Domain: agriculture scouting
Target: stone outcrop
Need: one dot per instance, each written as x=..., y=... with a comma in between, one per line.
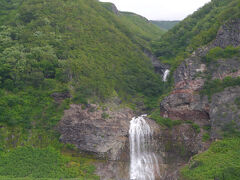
x=102, y=131
x=60, y=96
x=225, y=112
x=184, y=103
x=229, y=34
x=179, y=144
x=119, y=170
x=98, y=130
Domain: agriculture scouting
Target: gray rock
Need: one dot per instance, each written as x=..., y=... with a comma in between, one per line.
x=224, y=112
x=229, y=34
x=159, y=67
x=60, y=96
x=103, y=132
x=185, y=102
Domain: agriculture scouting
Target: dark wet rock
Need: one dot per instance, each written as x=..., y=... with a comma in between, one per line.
x=60, y=96
x=159, y=67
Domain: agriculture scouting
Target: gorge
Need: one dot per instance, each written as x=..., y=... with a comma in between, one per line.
x=77, y=75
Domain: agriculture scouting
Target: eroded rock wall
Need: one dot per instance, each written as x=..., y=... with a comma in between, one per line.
x=185, y=103
x=97, y=130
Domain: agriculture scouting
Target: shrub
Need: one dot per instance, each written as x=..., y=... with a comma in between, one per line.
x=215, y=86
x=220, y=161
x=164, y=121
x=206, y=137
x=35, y=163
x=196, y=128
x=217, y=53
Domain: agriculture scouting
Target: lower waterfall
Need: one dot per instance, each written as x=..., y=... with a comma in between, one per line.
x=144, y=162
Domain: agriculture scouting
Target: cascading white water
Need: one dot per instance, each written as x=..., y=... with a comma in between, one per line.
x=166, y=73
x=144, y=163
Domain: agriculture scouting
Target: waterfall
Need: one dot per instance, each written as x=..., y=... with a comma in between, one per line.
x=144, y=163
x=166, y=73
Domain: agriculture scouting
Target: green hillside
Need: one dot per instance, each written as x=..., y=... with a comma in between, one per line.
x=74, y=47
x=166, y=25
x=141, y=28
x=89, y=52
x=196, y=30
x=221, y=161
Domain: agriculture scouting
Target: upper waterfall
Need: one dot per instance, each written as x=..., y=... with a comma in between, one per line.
x=144, y=162
x=165, y=76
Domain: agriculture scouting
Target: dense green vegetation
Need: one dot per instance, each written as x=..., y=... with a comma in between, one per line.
x=142, y=30
x=196, y=30
x=166, y=25
x=221, y=162
x=96, y=53
x=82, y=48
x=36, y=163
x=76, y=47
x=167, y=122
x=215, y=86
x=42, y=163
x=141, y=27
x=220, y=53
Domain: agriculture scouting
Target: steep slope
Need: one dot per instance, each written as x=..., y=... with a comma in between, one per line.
x=166, y=25
x=56, y=53
x=198, y=29
x=202, y=106
x=141, y=28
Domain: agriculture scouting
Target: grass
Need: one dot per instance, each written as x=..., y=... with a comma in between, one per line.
x=167, y=122
x=32, y=163
x=215, y=86
x=79, y=47
x=221, y=161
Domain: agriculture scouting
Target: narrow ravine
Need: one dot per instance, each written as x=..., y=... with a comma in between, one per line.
x=144, y=162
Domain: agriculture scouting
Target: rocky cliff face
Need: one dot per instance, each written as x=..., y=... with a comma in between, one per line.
x=225, y=112
x=185, y=102
x=103, y=131
x=98, y=130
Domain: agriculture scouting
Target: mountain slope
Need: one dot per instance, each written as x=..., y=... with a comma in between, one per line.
x=55, y=53
x=166, y=25
x=141, y=28
x=197, y=30
x=202, y=109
